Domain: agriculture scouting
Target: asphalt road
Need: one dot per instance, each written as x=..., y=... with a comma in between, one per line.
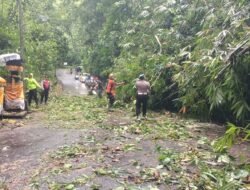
x=70, y=85
x=21, y=148
x=18, y=142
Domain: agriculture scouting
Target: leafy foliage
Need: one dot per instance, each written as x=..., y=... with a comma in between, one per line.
x=229, y=138
x=112, y=147
x=180, y=44
x=195, y=53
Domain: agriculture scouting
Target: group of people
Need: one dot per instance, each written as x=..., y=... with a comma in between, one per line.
x=142, y=93
x=93, y=84
x=32, y=87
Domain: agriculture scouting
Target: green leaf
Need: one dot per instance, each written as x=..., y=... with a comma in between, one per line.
x=70, y=187
x=224, y=159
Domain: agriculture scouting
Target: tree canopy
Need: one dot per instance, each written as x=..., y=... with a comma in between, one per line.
x=195, y=53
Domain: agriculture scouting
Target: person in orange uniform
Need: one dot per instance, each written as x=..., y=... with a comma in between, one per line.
x=111, y=90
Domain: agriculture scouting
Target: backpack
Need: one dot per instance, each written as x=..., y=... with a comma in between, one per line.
x=46, y=84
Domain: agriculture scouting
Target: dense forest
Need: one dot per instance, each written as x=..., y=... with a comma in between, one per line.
x=195, y=53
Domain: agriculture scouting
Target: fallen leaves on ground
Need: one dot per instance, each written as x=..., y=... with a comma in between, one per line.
x=152, y=154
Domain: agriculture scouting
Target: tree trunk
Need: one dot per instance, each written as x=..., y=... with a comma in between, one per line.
x=21, y=28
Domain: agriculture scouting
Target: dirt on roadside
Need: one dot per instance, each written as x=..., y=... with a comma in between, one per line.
x=74, y=143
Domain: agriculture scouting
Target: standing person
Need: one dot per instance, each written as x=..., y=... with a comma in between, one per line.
x=99, y=87
x=46, y=89
x=32, y=86
x=110, y=90
x=143, y=90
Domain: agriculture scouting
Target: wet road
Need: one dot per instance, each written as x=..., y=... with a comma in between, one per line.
x=21, y=148
x=70, y=85
x=19, y=142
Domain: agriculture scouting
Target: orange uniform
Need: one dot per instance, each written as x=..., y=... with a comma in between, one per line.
x=111, y=87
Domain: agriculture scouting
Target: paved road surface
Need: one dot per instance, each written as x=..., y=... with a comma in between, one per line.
x=70, y=85
x=21, y=148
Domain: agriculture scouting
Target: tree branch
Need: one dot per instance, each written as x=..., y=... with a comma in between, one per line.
x=158, y=41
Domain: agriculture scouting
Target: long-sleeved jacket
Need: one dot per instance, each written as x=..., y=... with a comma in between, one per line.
x=32, y=83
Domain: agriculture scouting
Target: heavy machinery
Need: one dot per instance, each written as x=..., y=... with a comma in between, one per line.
x=12, y=99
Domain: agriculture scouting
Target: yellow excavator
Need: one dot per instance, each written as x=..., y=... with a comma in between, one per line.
x=12, y=99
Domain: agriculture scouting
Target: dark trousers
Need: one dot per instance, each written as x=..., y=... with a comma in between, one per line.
x=141, y=100
x=111, y=99
x=32, y=95
x=45, y=96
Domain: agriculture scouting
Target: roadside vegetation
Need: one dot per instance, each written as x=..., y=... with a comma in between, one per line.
x=118, y=152
x=195, y=53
